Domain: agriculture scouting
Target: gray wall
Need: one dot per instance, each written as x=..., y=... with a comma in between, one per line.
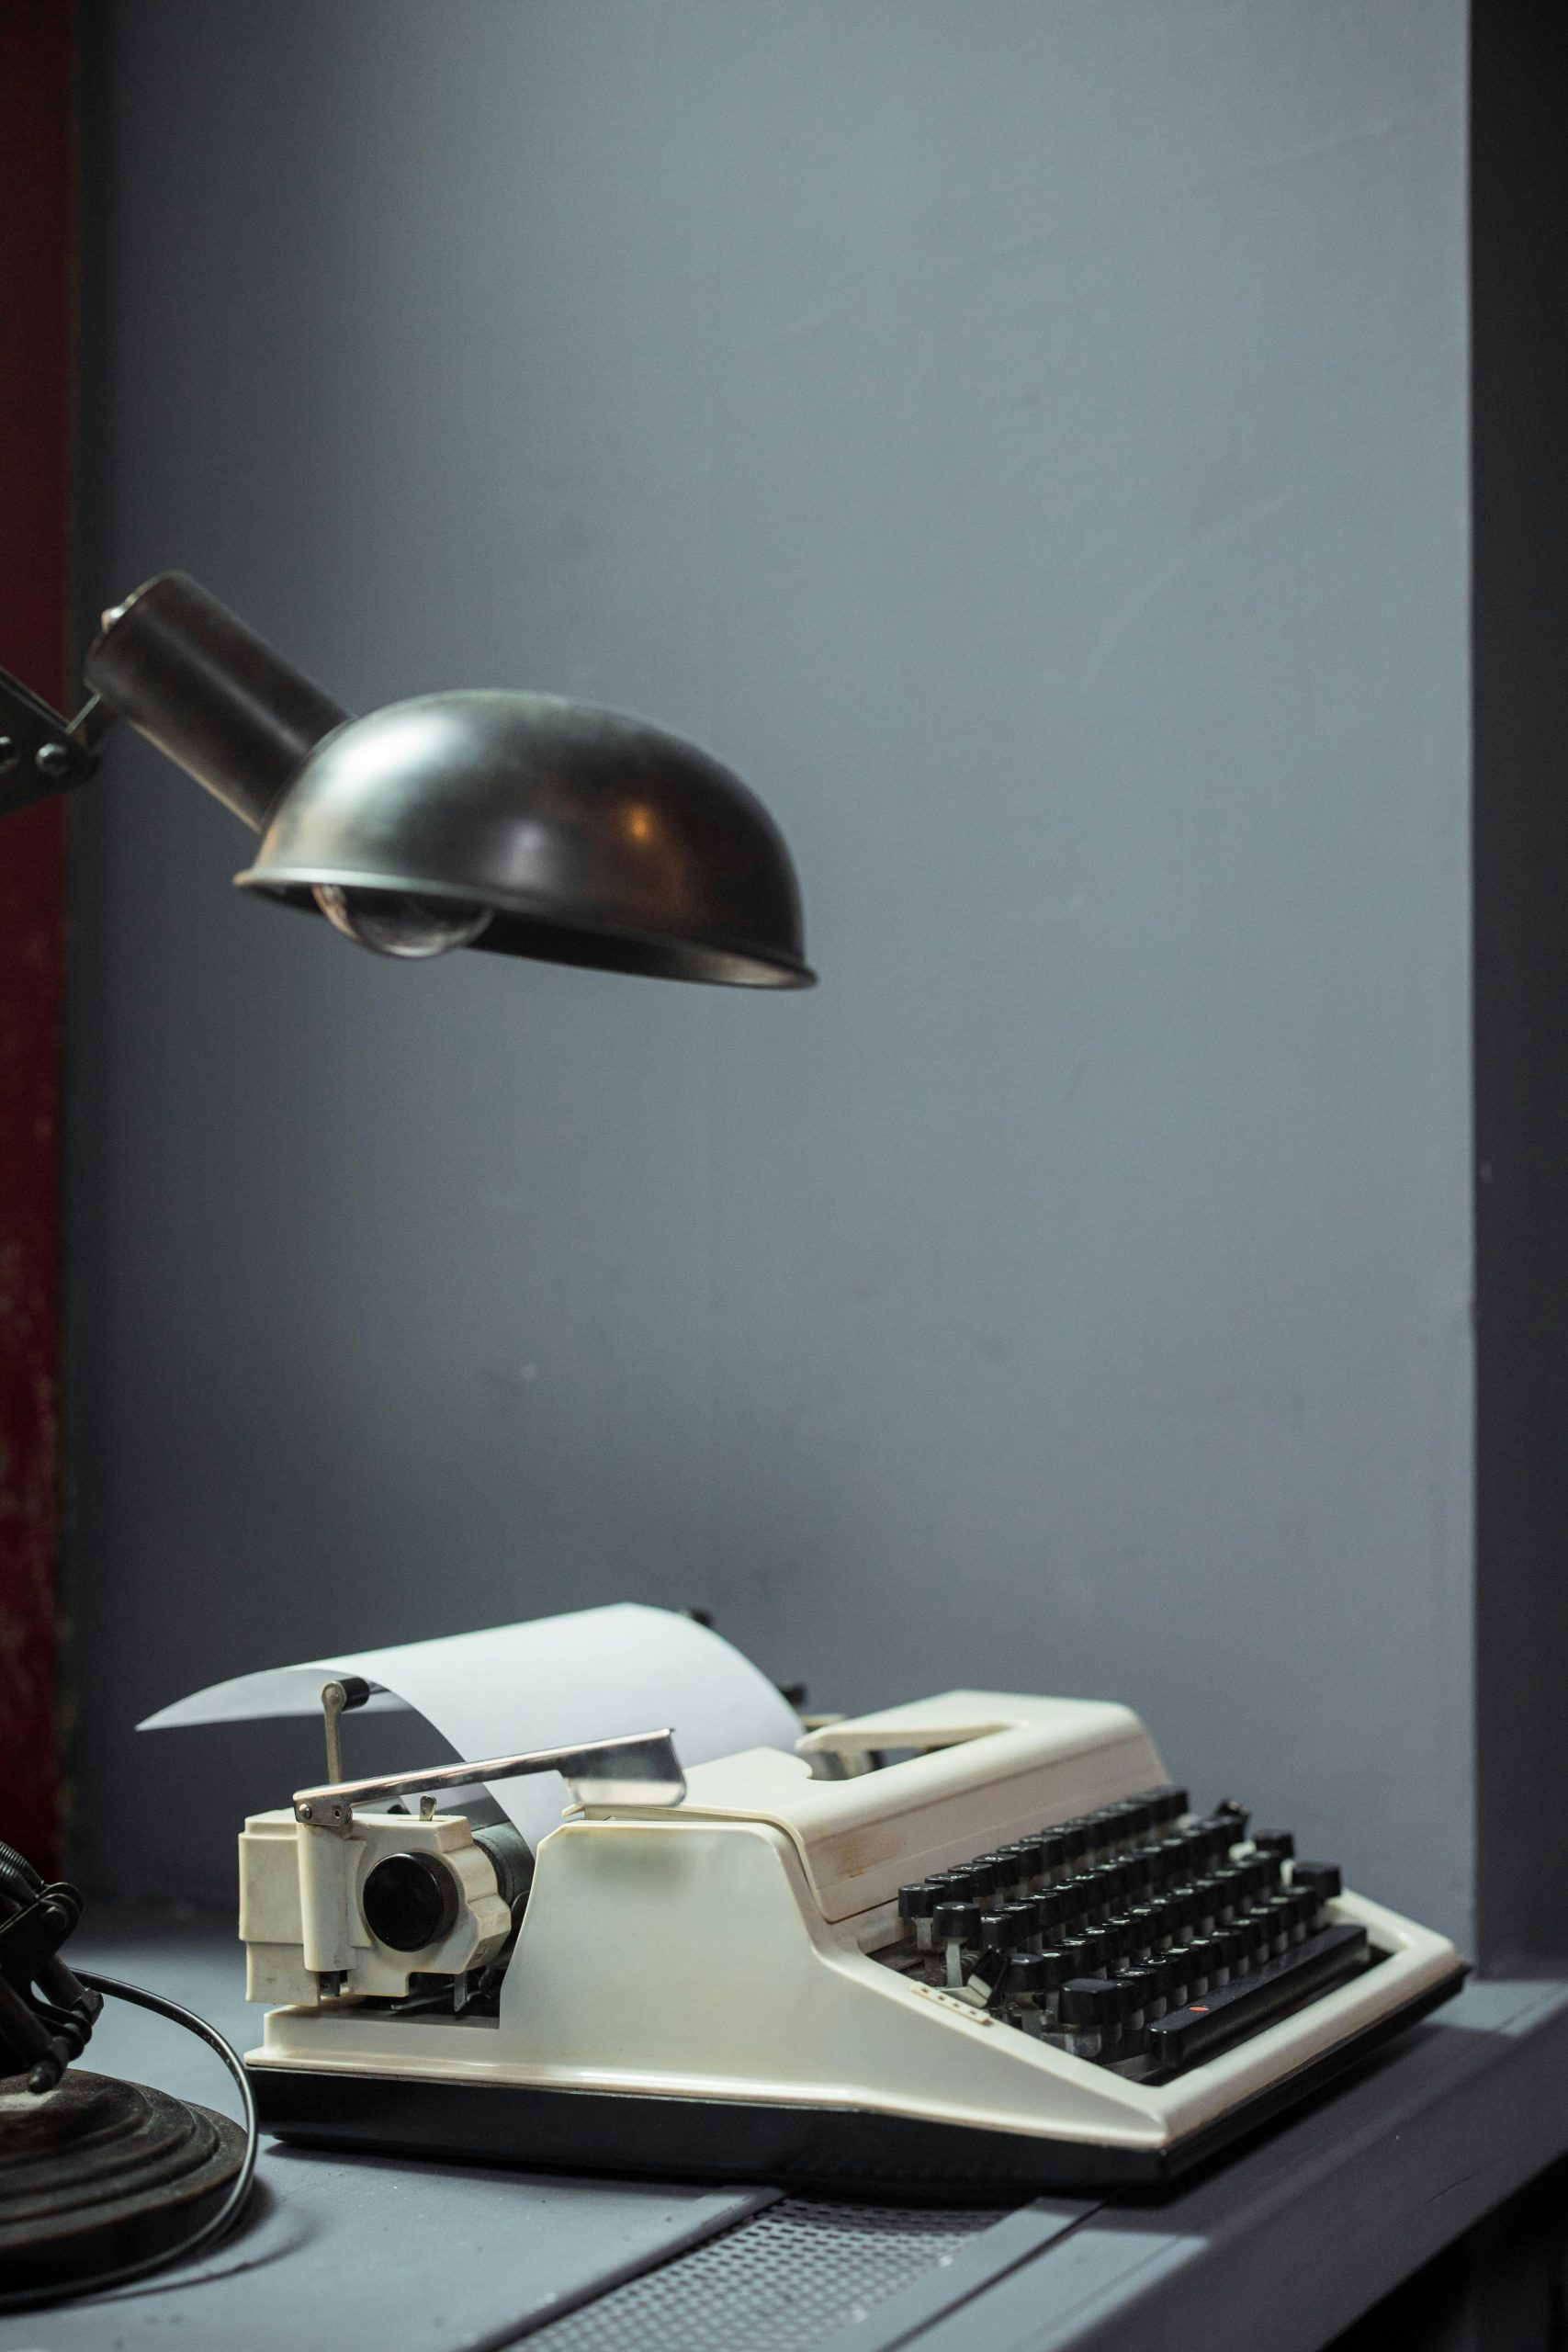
x=1028, y=441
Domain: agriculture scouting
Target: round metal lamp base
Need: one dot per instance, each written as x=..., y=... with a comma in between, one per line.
x=96, y=2174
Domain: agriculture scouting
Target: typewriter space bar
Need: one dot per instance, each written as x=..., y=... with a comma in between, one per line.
x=1233, y=2012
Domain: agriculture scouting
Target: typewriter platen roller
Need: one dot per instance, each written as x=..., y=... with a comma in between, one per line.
x=974, y=1942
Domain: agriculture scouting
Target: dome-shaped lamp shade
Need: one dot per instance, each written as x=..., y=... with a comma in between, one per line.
x=534, y=826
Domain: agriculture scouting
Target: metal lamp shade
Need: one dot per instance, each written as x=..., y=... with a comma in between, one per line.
x=590, y=837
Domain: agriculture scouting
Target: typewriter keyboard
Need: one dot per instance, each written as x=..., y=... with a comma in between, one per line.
x=1142, y=1937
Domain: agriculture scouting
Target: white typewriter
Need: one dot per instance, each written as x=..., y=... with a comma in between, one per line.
x=976, y=1942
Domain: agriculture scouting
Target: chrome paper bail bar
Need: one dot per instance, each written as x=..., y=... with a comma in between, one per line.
x=640, y=1768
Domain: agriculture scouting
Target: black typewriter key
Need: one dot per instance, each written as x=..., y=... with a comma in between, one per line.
x=1019, y=1872
x=1113, y=1927
x=1163, y=1922
x=1139, y=1816
x=1321, y=1880
x=1287, y=1912
x=1141, y=1871
x=1278, y=1842
x=956, y=1927
x=989, y=1971
x=916, y=1904
x=1057, y=1858
x=1201, y=1857
x=1305, y=1908
x=1121, y=1877
x=1093, y=2011
x=1200, y=1919
x=1135, y=1936
x=1086, y=1899
x=1176, y=1970
x=1182, y=1907
x=982, y=1876
x=1081, y=1895
x=1028, y=1916
x=1034, y=1982
x=992, y=1872
x=1087, y=2005
x=1085, y=1953
x=1268, y=1936
x=1212, y=1955
x=1273, y=1932
x=1143, y=1930
x=1154, y=1974
x=972, y=1882
x=1056, y=1912
x=1143, y=1999
x=1256, y=1876
x=1205, y=1906
x=1096, y=1895
x=1194, y=1958
x=1053, y=1854
x=1182, y=1974
x=1117, y=1880
x=1031, y=1863
x=1282, y=1909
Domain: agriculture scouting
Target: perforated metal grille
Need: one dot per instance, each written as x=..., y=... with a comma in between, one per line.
x=783, y=2282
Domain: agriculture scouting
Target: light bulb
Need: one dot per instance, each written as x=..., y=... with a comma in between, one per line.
x=397, y=923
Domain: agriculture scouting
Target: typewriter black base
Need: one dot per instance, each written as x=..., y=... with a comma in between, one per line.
x=833, y=2149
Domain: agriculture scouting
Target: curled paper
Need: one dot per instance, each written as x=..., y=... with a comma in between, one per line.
x=550, y=1682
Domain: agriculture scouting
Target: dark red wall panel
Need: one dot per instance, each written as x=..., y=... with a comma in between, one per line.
x=37, y=300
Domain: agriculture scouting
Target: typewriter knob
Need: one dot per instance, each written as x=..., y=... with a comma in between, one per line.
x=410, y=1900
x=956, y=1923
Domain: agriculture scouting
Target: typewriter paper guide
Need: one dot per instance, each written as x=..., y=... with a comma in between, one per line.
x=551, y=1682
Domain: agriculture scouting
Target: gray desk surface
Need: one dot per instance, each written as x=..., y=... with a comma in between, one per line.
x=1302, y=2231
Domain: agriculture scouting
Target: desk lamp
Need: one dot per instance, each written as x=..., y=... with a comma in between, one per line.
x=518, y=823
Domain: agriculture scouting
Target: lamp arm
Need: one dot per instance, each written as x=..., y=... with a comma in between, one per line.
x=42, y=754
x=216, y=699
x=184, y=671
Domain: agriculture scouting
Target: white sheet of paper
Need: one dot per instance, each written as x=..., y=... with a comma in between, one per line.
x=550, y=1682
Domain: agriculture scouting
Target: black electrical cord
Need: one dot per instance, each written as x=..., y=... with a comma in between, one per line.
x=216, y=2225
